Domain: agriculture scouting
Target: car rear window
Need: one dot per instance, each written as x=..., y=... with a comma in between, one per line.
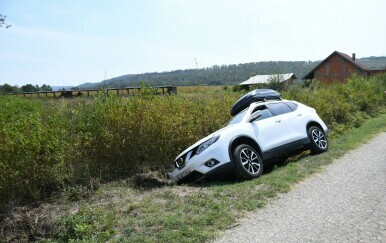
x=264, y=111
x=293, y=106
x=279, y=108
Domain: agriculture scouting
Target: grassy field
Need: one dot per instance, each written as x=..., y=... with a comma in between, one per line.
x=74, y=146
x=141, y=210
x=47, y=145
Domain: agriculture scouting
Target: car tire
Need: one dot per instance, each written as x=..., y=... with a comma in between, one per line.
x=247, y=162
x=318, y=140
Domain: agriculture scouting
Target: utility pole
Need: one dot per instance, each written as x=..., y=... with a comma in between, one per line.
x=104, y=80
x=198, y=77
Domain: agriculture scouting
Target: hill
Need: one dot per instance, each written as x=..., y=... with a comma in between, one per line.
x=221, y=75
x=56, y=88
x=374, y=62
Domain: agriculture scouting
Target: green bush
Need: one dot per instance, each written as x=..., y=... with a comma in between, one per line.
x=88, y=225
x=45, y=145
x=32, y=148
x=116, y=137
x=343, y=105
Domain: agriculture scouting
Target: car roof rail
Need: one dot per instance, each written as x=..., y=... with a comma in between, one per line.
x=273, y=98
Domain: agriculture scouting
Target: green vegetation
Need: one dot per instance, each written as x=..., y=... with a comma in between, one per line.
x=221, y=75
x=117, y=212
x=374, y=62
x=46, y=144
x=6, y=88
x=216, y=75
x=75, y=145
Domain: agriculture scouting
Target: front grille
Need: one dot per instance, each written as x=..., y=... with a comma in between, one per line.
x=191, y=178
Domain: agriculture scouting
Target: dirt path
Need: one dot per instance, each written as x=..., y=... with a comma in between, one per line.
x=346, y=203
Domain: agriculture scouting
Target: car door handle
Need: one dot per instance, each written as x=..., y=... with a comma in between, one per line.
x=300, y=114
x=278, y=121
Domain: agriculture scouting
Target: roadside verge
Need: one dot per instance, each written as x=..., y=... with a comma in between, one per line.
x=117, y=212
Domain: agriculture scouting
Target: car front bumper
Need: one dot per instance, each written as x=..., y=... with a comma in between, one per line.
x=213, y=159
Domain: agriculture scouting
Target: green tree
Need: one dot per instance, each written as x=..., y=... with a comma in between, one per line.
x=6, y=88
x=45, y=87
x=275, y=82
x=30, y=88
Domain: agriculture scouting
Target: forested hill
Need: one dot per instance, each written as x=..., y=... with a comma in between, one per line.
x=374, y=62
x=221, y=75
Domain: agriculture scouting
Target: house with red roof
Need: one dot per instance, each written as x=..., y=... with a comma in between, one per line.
x=339, y=66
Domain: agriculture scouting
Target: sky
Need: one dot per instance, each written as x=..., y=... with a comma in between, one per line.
x=71, y=42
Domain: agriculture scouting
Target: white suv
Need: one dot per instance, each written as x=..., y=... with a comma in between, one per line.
x=256, y=136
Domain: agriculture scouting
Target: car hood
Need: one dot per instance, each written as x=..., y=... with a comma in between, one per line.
x=203, y=140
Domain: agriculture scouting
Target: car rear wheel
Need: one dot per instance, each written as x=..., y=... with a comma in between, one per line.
x=318, y=140
x=247, y=162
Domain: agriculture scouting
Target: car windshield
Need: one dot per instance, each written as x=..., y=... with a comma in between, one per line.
x=237, y=118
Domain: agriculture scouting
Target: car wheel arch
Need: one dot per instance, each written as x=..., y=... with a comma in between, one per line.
x=313, y=123
x=243, y=140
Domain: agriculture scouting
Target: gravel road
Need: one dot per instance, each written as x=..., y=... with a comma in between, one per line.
x=346, y=203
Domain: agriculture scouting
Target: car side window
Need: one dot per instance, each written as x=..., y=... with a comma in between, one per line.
x=293, y=106
x=263, y=111
x=279, y=108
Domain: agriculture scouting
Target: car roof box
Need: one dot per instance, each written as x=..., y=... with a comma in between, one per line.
x=254, y=96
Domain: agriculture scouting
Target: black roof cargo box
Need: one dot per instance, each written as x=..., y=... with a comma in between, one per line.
x=253, y=96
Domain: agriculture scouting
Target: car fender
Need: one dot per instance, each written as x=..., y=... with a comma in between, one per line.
x=256, y=145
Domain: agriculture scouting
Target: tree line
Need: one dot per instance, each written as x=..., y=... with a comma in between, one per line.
x=7, y=88
x=221, y=75
x=215, y=75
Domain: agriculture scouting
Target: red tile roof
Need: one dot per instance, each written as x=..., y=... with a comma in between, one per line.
x=356, y=62
x=359, y=65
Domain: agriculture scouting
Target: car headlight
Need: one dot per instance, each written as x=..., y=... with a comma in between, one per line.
x=207, y=143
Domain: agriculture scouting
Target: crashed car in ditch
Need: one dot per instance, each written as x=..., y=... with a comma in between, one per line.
x=263, y=129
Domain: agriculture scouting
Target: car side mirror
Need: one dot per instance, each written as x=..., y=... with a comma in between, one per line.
x=254, y=116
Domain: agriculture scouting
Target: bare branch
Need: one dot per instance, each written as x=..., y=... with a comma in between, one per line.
x=3, y=22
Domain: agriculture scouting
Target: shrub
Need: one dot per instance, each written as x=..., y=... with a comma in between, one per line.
x=32, y=148
x=47, y=144
x=236, y=88
x=88, y=225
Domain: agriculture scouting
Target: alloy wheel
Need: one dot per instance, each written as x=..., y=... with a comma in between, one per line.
x=250, y=161
x=319, y=139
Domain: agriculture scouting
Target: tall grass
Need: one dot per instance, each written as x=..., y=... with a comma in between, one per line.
x=48, y=144
x=343, y=105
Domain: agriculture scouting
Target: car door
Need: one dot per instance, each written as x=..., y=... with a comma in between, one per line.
x=296, y=122
x=283, y=114
x=270, y=132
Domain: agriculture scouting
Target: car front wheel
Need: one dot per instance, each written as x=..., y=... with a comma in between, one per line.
x=318, y=140
x=247, y=162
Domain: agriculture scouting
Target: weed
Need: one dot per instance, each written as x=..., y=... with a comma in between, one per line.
x=119, y=213
x=49, y=145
